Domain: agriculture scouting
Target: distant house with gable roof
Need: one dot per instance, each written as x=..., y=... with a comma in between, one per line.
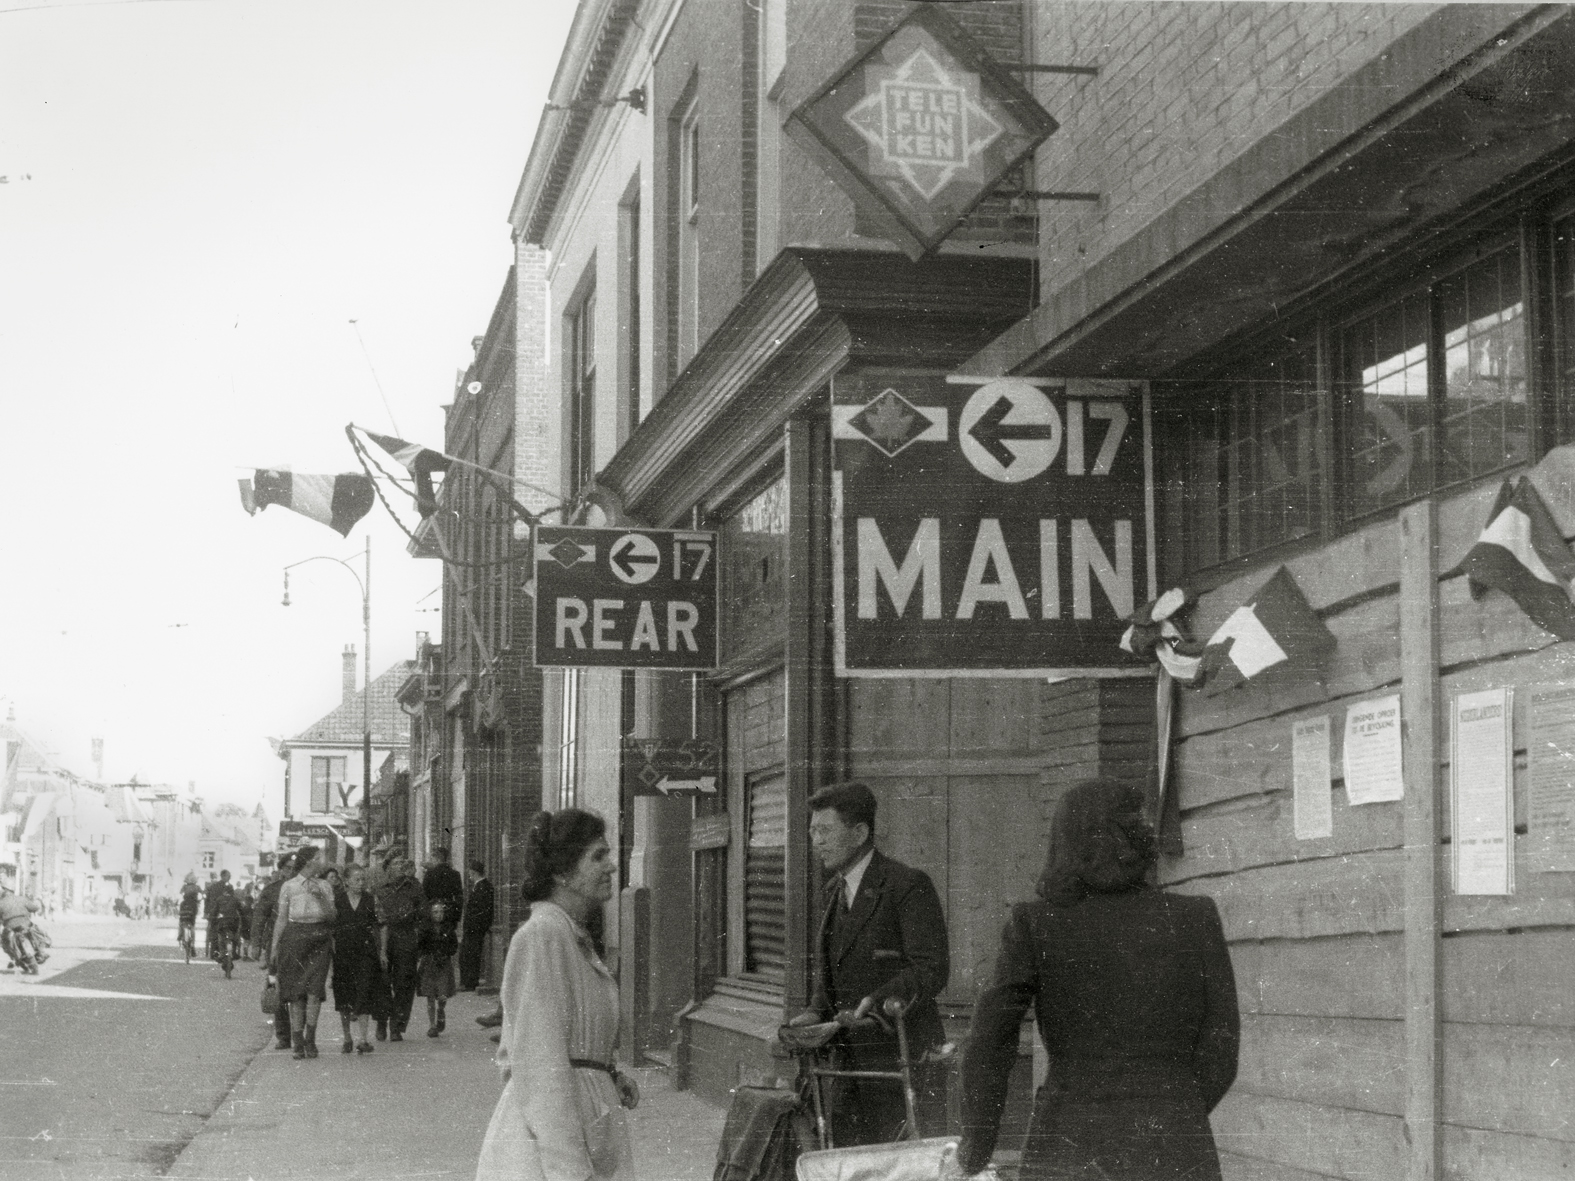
x=323, y=763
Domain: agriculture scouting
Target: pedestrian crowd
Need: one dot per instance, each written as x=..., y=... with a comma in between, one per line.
x=373, y=937
x=1131, y=987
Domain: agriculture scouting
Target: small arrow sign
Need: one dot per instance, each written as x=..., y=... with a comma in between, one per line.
x=634, y=558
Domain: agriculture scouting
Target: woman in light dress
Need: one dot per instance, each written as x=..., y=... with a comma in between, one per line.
x=560, y=1117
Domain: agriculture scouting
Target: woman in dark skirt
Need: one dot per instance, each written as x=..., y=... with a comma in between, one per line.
x=303, y=948
x=1135, y=1001
x=358, y=971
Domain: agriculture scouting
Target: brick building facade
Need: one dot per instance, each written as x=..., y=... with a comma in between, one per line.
x=1296, y=204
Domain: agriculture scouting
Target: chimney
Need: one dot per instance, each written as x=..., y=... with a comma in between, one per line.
x=348, y=676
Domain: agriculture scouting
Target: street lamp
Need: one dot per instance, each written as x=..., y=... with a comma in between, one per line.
x=366, y=677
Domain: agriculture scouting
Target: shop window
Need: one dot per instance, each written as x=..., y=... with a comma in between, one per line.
x=1486, y=398
x=1430, y=389
x=328, y=776
x=1254, y=457
x=569, y=740
x=765, y=897
x=1392, y=421
x=1436, y=385
x=754, y=569
x=1564, y=328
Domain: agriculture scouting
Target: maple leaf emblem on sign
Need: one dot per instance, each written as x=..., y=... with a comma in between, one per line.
x=891, y=422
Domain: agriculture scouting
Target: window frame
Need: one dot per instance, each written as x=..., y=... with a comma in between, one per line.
x=580, y=392
x=1549, y=377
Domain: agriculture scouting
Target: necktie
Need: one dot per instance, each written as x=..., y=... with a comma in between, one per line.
x=847, y=895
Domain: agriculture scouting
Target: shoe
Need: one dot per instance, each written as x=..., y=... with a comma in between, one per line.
x=347, y=1047
x=311, y=1042
x=298, y=1046
x=395, y=1036
x=432, y=1031
x=490, y=1020
x=496, y=1038
x=364, y=1048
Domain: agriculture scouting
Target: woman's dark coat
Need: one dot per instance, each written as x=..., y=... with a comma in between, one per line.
x=358, y=984
x=1136, y=1003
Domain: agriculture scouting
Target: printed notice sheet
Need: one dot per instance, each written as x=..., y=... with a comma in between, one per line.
x=1550, y=765
x=1372, y=751
x=1312, y=804
x=1483, y=841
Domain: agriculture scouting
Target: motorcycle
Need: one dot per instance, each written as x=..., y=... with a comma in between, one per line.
x=24, y=942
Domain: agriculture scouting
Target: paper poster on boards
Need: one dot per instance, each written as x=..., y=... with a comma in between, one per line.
x=1312, y=802
x=1550, y=759
x=1373, y=770
x=1483, y=811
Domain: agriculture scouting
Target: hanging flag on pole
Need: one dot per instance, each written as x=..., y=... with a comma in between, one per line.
x=1275, y=626
x=336, y=501
x=421, y=462
x=1522, y=553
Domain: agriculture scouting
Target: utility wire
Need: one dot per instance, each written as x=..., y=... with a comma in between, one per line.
x=375, y=378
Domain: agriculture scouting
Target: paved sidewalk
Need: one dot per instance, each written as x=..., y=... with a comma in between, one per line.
x=416, y=1109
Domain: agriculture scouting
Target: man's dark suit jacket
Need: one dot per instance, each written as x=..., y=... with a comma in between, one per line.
x=478, y=910
x=443, y=884
x=892, y=943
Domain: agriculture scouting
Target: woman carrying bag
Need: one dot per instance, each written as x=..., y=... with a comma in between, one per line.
x=560, y=1117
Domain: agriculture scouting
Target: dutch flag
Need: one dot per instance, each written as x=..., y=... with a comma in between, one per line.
x=1522, y=553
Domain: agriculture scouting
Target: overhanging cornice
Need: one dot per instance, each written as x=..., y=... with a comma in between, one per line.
x=1471, y=97
x=810, y=312
x=595, y=38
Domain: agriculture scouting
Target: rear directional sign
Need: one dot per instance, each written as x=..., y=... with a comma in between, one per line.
x=625, y=598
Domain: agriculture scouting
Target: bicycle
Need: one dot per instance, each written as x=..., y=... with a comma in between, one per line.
x=188, y=937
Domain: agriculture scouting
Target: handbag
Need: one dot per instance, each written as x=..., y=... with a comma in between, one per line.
x=270, y=997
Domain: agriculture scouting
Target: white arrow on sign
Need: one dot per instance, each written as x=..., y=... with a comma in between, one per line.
x=1009, y=430
x=706, y=784
x=634, y=558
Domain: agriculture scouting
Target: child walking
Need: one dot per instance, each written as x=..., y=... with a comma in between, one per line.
x=436, y=946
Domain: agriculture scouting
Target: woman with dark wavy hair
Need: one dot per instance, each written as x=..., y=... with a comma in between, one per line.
x=560, y=1117
x=1135, y=1001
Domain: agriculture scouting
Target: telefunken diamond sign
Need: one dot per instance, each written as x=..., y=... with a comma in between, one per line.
x=921, y=127
x=625, y=598
x=989, y=526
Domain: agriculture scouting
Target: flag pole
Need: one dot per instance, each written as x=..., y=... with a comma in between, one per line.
x=366, y=708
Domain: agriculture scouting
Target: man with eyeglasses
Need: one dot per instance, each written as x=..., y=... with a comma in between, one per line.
x=882, y=937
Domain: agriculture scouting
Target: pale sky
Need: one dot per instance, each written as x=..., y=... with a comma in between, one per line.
x=215, y=189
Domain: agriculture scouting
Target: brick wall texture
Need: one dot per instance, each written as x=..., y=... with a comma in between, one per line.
x=535, y=450
x=1184, y=88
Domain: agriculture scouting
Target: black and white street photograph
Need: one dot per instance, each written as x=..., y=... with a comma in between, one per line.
x=787, y=590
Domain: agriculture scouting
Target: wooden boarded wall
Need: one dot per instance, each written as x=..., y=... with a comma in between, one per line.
x=1317, y=926
x=967, y=774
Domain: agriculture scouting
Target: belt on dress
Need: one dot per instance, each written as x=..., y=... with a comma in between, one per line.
x=593, y=1064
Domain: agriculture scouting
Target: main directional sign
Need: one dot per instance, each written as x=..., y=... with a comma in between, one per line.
x=625, y=598
x=989, y=526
